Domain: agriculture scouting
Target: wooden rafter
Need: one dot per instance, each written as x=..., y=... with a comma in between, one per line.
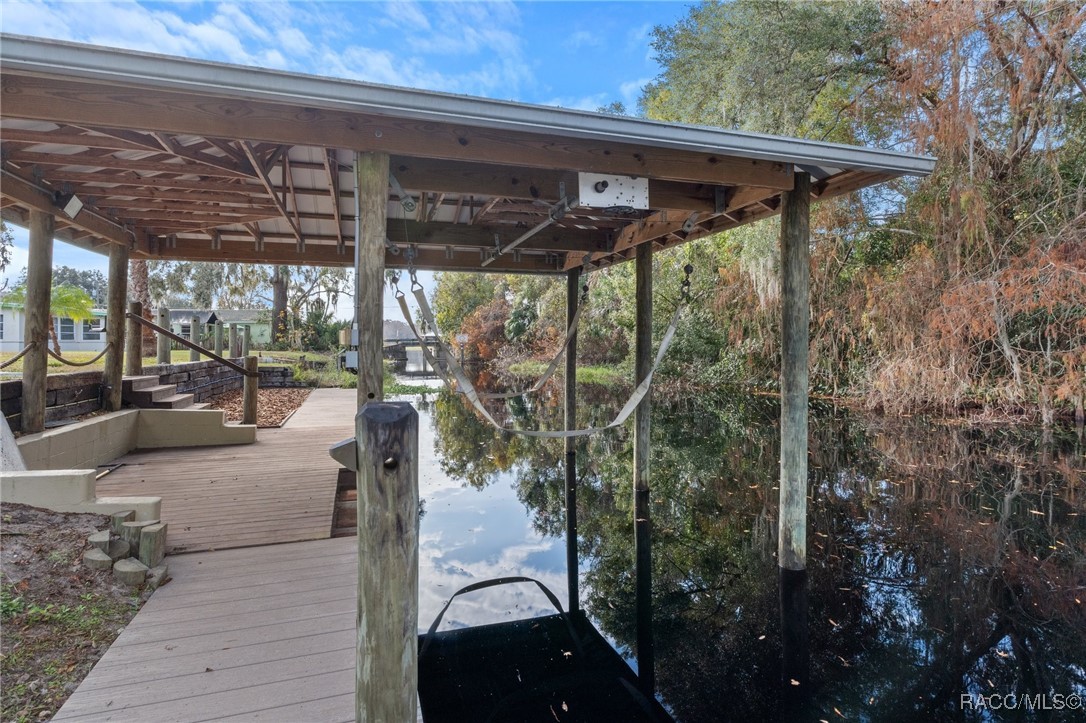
x=435, y=206
x=93, y=162
x=331, y=168
x=262, y=173
x=483, y=211
x=288, y=184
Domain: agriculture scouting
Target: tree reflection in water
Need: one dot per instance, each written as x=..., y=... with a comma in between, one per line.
x=943, y=561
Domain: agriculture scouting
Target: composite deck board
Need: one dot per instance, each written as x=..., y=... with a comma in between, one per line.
x=250, y=634
x=279, y=489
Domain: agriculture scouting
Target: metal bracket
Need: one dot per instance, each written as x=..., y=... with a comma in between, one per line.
x=406, y=200
x=216, y=241
x=720, y=199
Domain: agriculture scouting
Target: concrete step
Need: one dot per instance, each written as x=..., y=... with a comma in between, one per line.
x=174, y=401
x=200, y=405
x=147, y=396
x=130, y=384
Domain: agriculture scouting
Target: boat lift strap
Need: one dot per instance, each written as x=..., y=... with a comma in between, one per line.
x=466, y=388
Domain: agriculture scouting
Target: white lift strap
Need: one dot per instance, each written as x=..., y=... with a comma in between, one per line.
x=466, y=388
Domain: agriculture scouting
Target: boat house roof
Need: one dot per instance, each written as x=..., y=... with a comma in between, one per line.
x=192, y=160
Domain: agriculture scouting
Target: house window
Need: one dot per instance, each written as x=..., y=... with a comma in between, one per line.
x=186, y=330
x=67, y=329
x=1, y=326
x=91, y=332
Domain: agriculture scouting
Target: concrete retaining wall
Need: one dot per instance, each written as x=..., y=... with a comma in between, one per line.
x=102, y=439
x=71, y=490
x=82, y=445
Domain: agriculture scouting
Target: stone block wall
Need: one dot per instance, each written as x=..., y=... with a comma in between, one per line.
x=66, y=396
x=207, y=379
x=74, y=394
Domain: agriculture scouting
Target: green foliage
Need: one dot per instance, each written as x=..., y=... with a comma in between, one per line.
x=764, y=65
x=69, y=302
x=457, y=295
x=90, y=280
x=521, y=318
x=7, y=243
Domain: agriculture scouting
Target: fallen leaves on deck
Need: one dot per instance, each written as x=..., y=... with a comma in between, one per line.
x=273, y=406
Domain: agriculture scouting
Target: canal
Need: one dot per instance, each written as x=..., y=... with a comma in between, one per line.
x=947, y=562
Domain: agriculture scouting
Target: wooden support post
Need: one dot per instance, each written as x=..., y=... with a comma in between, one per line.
x=115, y=306
x=233, y=342
x=646, y=672
x=163, y=347
x=371, y=203
x=218, y=338
x=250, y=392
x=39, y=290
x=792, y=532
x=572, y=567
x=246, y=340
x=386, y=674
x=194, y=337
x=133, y=342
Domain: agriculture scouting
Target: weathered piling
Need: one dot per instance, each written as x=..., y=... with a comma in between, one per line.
x=162, y=348
x=194, y=337
x=36, y=329
x=572, y=289
x=218, y=338
x=386, y=685
x=250, y=391
x=646, y=672
x=115, y=307
x=133, y=341
x=792, y=532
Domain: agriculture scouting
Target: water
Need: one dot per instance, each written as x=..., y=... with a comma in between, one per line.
x=946, y=563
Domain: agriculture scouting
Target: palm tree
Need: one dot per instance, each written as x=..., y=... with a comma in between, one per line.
x=66, y=302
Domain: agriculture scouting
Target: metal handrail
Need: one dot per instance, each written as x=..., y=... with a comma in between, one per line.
x=185, y=342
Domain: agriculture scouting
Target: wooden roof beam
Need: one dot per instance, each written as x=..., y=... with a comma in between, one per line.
x=488, y=179
x=331, y=169
x=230, y=251
x=262, y=174
x=82, y=101
x=122, y=164
x=89, y=220
x=288, y=184
x=159, y=183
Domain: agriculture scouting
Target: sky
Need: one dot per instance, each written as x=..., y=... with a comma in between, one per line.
x=571, y=54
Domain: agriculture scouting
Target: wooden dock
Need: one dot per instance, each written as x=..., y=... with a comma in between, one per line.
x=263, y=633
x=280, y=489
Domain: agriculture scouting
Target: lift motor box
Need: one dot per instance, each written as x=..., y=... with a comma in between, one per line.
x=599, y=190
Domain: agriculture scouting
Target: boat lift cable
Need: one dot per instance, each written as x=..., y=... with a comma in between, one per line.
x=571, y=332
x=466, y=388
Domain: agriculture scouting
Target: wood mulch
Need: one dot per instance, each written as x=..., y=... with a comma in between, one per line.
x=273, y=406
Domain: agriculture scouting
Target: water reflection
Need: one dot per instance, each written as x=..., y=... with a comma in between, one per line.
x=944, y=562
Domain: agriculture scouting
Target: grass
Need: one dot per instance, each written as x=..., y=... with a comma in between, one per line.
x=585, y=374
x=50, y=656
x=328, y=376
x=177, y=356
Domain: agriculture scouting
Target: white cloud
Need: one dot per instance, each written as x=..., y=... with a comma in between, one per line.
x=630, y=92
x=587, y=102
x=582, y=39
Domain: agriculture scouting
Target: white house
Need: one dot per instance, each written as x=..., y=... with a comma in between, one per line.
x=87, y=335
